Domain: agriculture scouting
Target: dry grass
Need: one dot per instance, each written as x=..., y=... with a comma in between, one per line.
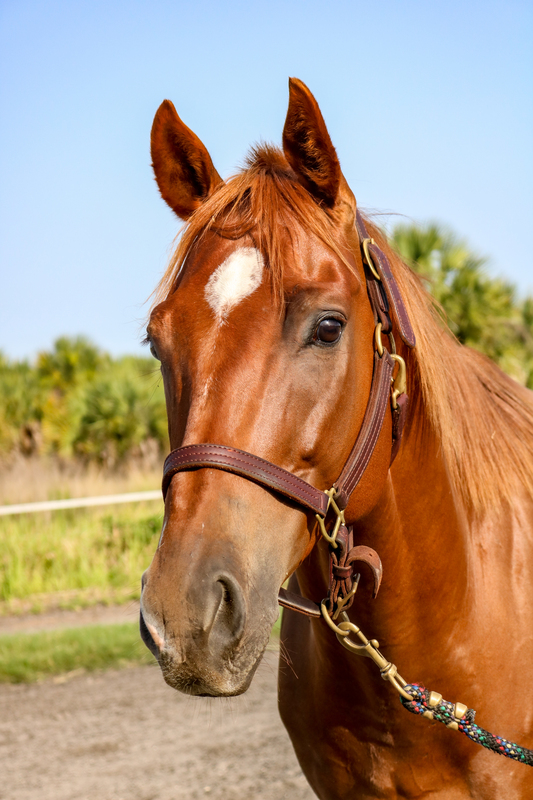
x=29, y=480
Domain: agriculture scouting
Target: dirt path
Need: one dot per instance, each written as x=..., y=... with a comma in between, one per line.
x=94, y=615
x=125, y=735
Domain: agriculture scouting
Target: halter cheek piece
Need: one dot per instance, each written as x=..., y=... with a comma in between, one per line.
x=384, y=296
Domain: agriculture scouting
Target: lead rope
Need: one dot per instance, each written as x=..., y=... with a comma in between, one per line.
x=419, y=700
x=431, y=705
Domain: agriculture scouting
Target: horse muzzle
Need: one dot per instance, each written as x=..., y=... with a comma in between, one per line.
x=211, y=647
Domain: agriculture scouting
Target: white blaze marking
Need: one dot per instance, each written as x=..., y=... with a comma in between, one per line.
x=236, y=278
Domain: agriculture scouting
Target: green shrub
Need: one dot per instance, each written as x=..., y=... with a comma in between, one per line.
x=78, y=402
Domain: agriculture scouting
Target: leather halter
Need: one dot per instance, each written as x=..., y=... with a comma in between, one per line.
x=384, y=296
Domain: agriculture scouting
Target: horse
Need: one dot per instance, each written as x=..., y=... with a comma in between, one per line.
x=268, y=332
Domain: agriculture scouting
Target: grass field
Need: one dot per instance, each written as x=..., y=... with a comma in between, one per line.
x=29, y=657
x=78, y=557
x=27, y=480
x=25, y=658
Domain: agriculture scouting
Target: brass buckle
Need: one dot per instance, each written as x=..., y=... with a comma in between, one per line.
x=399, y=383
x=377, y=339
x=331, y=537
x=368, y=258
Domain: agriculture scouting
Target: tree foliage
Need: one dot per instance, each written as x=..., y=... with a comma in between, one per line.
x=76, y=401
x=483, y=312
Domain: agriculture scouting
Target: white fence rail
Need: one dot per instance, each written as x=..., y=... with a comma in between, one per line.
x=80, y=502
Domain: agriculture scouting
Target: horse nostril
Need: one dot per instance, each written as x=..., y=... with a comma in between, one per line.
x=147, y=637
x=230, y=616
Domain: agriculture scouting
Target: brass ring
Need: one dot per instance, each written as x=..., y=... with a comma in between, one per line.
x=330, y=622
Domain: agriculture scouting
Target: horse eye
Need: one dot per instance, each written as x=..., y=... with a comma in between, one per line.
x=328, y=331
x=154, y=351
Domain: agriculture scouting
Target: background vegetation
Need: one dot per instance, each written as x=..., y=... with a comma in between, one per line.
x=31, y=657
x=484, y=312
x=78, y=422
x=76, y=558
x=76, y=402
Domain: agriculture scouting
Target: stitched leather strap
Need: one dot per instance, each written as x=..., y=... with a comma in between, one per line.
x=378, y=301
x=399, y=417
x=370, y=429
x=381, y=263
x=230, y=459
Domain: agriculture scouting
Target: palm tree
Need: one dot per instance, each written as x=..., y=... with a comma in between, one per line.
x=482, y=311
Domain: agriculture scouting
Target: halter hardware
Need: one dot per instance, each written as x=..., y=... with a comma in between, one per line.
x=399, y=383
x=368, y=648
x=331, y=537
x=377, y=339
x=368, y=258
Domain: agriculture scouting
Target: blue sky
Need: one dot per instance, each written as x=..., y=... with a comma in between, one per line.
x=430, y=106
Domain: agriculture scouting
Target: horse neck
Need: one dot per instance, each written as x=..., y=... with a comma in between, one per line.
x=418, y=528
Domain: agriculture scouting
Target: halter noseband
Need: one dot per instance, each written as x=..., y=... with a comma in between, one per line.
x=384, y=295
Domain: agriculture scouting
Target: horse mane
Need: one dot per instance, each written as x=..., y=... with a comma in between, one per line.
x=482, y=418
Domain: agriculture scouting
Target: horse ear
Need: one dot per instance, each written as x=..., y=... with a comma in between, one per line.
x=183, y=168
x=308, y=147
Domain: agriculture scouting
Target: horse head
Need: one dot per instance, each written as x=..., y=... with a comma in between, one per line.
x=264, y=332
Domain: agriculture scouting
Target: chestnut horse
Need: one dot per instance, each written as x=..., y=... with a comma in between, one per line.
x=265, y=334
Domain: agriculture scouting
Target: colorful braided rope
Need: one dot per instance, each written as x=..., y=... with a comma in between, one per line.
x=444, y=712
